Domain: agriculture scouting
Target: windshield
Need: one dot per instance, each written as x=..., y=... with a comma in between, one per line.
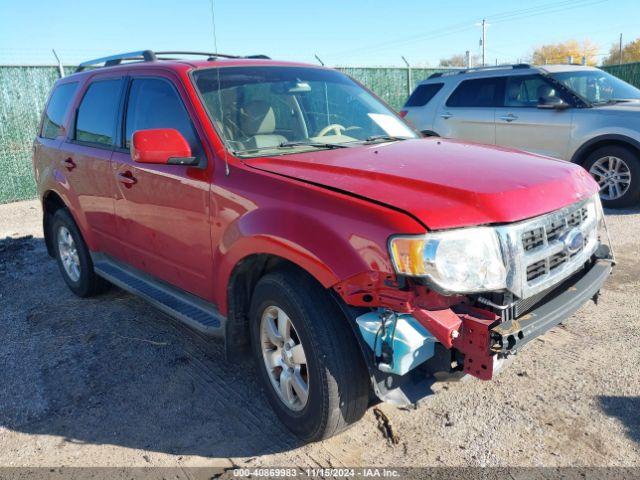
x=288, y=109
x=596, y=86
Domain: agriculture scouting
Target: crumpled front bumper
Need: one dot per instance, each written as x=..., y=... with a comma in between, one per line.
x=475, y=341
x=512, y=335
x=485, y=340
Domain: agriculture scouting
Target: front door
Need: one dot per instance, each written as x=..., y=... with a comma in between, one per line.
x=521, y=124
x=162, y=211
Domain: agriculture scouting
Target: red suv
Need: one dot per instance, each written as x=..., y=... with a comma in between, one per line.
x=287, y=210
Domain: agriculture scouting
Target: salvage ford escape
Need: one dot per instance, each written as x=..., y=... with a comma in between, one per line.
x=285, y=209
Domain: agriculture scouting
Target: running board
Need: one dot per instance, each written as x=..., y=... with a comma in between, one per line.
x=185, y=307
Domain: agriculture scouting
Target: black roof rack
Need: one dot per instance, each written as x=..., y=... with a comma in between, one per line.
x=151, y=56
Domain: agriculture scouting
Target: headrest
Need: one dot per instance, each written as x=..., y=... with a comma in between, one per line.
x=257, y=118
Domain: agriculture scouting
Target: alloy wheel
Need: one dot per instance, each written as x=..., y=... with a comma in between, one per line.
x=284, y=358
x=68, y=253
x=613, y=176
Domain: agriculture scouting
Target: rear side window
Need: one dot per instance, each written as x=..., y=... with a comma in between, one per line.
x=155, y=103
x=423, y=94
x=57, y=109
x=483, y=92
x=96, y=119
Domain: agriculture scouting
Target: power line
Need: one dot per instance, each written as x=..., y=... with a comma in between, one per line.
x=543, y=9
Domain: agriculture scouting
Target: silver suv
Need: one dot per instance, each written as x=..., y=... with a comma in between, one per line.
x=577, y=113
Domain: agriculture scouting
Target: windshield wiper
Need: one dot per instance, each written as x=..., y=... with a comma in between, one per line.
x=612, y=101
x=302, y=143
x=384, y=138
x=291, y=144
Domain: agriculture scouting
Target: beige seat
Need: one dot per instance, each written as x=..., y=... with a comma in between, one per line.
x=258, y=124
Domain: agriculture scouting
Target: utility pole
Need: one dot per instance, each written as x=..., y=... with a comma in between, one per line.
x=467, y=56
x=620, y=51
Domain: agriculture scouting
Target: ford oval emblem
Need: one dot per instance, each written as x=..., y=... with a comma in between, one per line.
x=573, y=240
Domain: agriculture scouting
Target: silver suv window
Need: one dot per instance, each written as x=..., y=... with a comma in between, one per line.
x=423, y=94
x=596, y=86
x=529, y=91
x=481, y=92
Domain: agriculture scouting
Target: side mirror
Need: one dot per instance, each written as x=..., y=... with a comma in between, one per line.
x=164, y=146
x=552, y=103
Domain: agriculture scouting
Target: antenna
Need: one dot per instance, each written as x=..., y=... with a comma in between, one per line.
x=222, y=132
x=319, y=60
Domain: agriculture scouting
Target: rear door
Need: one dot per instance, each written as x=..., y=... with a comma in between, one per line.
x=521, y=124
x=85, y=156
x=163, y=210
x=421, y=107
x=46, y=152
x=469, y=112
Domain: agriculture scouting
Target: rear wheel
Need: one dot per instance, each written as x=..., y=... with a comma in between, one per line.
x=309, y=363
x=73, y=256
x=617, y=171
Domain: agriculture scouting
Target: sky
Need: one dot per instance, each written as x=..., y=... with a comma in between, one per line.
x=340, y=32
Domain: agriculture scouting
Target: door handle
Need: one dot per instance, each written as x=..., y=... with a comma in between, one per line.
x=446, y=115
x=127, y=179
x=69, y=164
x=509, y=118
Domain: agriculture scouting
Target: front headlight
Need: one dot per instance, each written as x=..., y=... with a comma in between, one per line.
x=466, y=260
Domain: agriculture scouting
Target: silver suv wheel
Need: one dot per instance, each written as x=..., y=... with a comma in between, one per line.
x=284, y=358
x=68, y=253
x=613, y=175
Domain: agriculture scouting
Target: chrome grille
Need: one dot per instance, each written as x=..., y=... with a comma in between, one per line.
x=538, y=253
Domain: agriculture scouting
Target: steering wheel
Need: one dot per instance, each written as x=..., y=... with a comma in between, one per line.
x=336, y=128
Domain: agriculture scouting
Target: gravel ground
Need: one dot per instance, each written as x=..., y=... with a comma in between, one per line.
x=110, y=381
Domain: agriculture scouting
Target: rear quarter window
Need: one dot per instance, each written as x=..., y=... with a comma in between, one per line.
x=57, y=109
x=481, y=92
x=423, y=94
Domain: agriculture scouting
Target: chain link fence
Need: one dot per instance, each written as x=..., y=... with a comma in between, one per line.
x=24, y=89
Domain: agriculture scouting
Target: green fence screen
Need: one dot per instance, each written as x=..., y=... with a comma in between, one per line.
x=23, y=92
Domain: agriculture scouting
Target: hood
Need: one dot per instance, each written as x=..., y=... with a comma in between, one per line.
x=442, y=183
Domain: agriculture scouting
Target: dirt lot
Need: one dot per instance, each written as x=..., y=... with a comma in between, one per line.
x=111, y=382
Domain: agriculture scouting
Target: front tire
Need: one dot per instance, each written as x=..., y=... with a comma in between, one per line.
x=308, y=361
x=73, y=256
x=617, y=170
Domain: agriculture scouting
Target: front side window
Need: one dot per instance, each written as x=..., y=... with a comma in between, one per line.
x=483, y=92
x=155, y=103
x=96, y=118
x=529, y=91
x=596, y=86
x=289, y=109
x=57, y=109
x=423, y=94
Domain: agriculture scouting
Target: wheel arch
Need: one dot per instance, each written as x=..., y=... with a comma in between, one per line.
x=583, y=152
x=242, y=281
x=51, y=203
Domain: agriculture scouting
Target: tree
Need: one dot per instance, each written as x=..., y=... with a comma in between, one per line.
x=630, y=53
x=560, y=52
x=458, y=60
